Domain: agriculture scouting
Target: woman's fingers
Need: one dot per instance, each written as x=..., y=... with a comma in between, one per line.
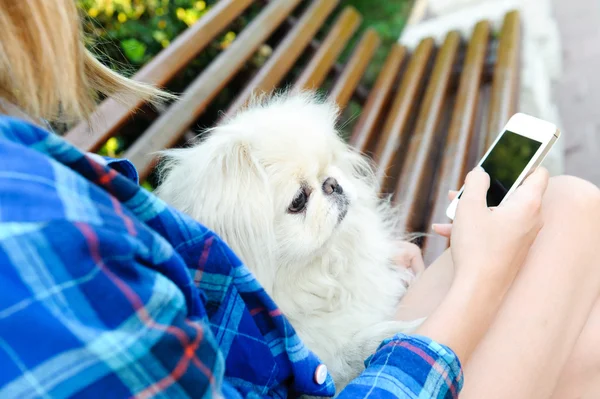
x=538, y=181
x=445, y=230
x=476, y=187
x=418, y=265
x=452, y=194
x=410, y=256
x=532, y=190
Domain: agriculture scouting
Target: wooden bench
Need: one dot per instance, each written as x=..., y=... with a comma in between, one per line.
x=426, y=120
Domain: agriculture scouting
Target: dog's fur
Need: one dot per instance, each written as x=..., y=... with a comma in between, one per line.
x=331, y=267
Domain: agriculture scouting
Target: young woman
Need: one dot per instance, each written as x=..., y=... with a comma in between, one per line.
x=100, y=278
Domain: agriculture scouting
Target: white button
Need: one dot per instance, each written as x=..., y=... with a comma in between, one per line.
x=321, y=374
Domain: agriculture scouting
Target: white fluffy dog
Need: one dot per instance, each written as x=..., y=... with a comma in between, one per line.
x=301, y=209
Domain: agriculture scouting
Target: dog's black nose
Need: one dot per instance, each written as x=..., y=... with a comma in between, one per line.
x=332, y=186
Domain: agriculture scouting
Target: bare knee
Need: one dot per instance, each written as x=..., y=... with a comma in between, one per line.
x=570, y=197
x=571, y=213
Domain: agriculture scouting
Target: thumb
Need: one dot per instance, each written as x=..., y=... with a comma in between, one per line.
x=445, y=230
x=533, y=188
x=476, y=187
x=537, y=181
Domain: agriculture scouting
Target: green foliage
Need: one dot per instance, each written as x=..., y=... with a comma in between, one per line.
x=134, y=50
x=147, y=185
x=128, y=33
x=388, y=19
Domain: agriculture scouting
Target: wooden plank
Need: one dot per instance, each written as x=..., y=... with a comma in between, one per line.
x=287, y=53
x=363, y=135
x=415, y=179
x=317, y=69
x=503, y=102
x=453, y=168
x=111, y=115
x=167, y=129
x=355, y=68
x=395, y=127
x=418, y=12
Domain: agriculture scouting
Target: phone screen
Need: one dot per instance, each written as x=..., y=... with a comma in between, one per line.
x=506, y=162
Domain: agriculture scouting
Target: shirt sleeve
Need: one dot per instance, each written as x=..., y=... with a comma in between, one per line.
x=408, y=367
x=112, y=325
x=121, y=165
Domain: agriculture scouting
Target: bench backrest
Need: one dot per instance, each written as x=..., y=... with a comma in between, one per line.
x=425, y=121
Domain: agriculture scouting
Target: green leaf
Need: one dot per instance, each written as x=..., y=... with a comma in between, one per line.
x=134, y=49
x=159, y=36
x=147, y=186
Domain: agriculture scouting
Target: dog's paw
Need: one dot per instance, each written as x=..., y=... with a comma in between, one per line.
x=410, y=257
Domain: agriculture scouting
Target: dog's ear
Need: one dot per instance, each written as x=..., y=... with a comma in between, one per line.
x=221, y=185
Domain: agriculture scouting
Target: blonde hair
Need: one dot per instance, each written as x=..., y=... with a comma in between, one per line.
x=45, y=69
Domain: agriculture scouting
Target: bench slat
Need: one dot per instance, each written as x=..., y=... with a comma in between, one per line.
x=416, y=177
x=111, y=115
x=317, y=69
x=169, y=127
x=395, y=128
x=286, y=53
x=503, y=102
x=363, y=136
x=453, y=168
x=355, y=68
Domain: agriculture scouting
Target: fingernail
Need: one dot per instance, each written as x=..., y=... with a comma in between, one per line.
x=479, y=169
x=434, y=226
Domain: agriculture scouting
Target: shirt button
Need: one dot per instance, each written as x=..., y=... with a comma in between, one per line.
x=321, y=374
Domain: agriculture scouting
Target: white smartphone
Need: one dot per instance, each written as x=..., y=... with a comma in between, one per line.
x=517, y=151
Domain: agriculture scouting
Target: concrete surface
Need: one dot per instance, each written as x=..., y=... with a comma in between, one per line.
x=577, y=92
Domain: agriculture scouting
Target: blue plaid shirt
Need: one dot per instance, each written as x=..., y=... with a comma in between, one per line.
x=108, y=292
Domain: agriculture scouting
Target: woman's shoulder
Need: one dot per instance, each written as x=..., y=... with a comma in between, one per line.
x=20, y=129
x=35, y=188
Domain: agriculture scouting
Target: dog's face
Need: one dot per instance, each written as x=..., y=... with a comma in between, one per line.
x=276, y=182
x=311, y=187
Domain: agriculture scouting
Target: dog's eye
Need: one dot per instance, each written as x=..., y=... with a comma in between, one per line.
x=299, y=203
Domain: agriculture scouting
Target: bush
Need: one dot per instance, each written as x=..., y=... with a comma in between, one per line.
x=128, y=33
x=388, y=19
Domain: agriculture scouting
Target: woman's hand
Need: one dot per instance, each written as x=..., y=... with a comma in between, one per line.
x=488, y=248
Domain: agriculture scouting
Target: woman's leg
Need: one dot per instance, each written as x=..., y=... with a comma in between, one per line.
x=550, y=302
x=428, y=291
x=580, y=377
x=540, y=326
